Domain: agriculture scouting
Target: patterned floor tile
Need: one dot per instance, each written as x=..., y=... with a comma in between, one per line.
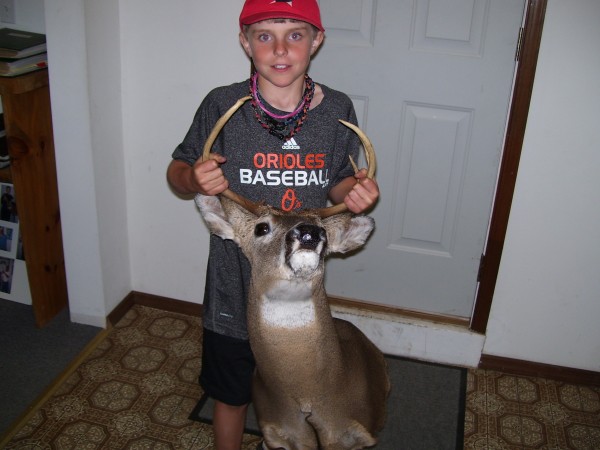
x=135, y=391
x=511, y=412
x=138, y=386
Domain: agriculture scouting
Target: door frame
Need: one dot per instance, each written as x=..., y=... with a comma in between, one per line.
x=531, y=35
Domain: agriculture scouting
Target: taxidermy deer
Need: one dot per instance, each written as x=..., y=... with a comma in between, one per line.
x=319, y=382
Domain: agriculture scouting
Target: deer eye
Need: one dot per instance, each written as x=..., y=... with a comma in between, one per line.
x=262, y=229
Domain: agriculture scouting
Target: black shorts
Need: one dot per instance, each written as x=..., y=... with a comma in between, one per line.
x=227, y=368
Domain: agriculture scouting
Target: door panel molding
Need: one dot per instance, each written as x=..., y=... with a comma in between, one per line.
x=350, y=23
x=444, y=27
x=430, y=174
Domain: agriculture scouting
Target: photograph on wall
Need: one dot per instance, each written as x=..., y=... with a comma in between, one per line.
x=6, y=274
x=8, y=239
x=14, y=283
x=20, y=252
x=8, y=205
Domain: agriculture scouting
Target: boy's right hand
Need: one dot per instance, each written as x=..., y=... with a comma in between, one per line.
x=204, y=177
x=207, y=176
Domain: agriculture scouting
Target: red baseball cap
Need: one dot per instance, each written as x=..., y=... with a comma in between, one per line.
x=304, y=10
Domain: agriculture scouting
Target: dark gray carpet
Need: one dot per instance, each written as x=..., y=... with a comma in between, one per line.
x=32, y=358
x=426, y=407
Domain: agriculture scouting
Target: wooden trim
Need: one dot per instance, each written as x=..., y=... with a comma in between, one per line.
x=533, y=369
x=167, y=304
x=532, y=35
x=194, y=309
x=24, y=83
x=399, y=312
x=487, y=362
x=121, y=309
x=153, y=301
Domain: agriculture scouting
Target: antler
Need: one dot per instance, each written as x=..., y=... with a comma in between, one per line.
x=253, y=206
x=240, y=200
x=371, y=166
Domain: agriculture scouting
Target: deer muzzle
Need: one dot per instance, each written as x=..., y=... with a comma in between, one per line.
x=308, y=236
x=304, y=248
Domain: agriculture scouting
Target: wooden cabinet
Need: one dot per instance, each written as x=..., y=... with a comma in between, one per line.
x=28, y=121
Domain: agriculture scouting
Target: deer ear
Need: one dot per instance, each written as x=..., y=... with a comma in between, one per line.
x=346, y=232
x=214, y=216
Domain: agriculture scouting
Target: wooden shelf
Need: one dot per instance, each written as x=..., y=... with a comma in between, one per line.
x=28, y=122
x=24, y=83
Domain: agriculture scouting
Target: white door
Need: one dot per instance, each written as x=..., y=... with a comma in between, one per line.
x=431, y=82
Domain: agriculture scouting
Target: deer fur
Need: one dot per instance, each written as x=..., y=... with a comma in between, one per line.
x=319, y=382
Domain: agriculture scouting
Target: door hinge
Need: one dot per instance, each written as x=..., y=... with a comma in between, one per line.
x=481, y=268
x=519, y=45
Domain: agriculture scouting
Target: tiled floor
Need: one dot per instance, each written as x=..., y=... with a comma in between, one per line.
x=509, y=412
x=136, y=388
x=134, y=391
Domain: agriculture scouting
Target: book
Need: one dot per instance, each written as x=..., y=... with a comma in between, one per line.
x=20, y=44
x=14, y=67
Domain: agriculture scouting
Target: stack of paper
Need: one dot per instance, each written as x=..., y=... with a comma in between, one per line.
x=21, y=52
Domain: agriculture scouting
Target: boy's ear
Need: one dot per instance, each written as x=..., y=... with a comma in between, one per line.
x=317, y=41
x=245, y=44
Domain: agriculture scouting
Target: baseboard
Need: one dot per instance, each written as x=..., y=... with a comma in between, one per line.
x=121, y=309
x=153, y=301
x=533, y=369
x=488, y=362
x=399, y=312
x=169, y=304
x=439, y=341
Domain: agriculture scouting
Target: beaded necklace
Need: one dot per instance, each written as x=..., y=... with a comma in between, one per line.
x=281, y=126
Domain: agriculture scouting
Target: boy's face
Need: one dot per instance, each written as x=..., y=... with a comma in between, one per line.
x=281, y=49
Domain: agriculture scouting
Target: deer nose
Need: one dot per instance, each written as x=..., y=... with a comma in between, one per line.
x=309, y=236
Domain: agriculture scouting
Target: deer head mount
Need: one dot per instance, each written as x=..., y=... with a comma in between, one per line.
x=293, y=245
x=319, y=382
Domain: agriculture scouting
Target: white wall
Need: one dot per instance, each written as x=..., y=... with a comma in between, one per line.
x=103, y=36
x=172, y=53
x=85, y=77
x=547, y=302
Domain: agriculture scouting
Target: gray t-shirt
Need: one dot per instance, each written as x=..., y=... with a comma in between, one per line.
x=293, y=174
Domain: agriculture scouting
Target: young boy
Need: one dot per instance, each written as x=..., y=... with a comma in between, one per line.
x=285, y=147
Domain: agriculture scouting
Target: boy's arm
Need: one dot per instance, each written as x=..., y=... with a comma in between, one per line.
x=358, y=192
x=204, y=177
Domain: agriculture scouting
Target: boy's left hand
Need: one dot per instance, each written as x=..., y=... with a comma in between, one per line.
x=363, y=194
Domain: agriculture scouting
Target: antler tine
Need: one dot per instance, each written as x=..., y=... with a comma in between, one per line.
x=219, y=126
x=228, y=193
x=371, y=167
x=367, y=146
